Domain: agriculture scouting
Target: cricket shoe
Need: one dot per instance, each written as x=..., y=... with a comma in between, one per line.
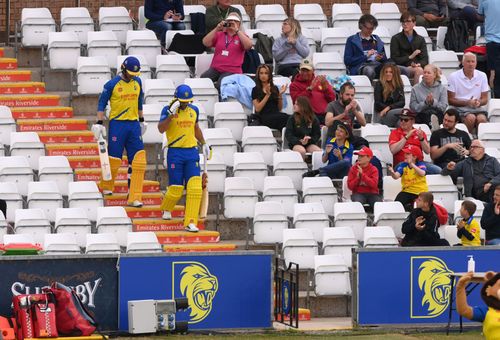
x=107, y=192
x=167, y=215
x=135, y=204
x=191, y=227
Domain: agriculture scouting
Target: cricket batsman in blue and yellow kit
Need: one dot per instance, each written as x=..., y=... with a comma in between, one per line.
x=180, y=123
x=126, y=127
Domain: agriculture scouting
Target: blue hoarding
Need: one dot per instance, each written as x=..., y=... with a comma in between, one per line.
x=224, y=291
x=406, y=286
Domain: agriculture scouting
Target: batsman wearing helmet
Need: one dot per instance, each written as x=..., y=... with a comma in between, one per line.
x=179, y=121
x=126, y=127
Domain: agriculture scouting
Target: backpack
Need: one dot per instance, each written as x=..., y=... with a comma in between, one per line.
x=457, y=36
x=264, y=45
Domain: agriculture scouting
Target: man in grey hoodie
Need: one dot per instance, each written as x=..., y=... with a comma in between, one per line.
x=429, y=13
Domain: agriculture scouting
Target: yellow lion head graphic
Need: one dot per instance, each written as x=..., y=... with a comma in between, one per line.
x=434, y=281
x=199, y=287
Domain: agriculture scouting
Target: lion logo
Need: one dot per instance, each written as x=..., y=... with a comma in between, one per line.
x=199, y=287
x=434, y=282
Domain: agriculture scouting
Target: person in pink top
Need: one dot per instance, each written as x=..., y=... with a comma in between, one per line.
x=230, y=44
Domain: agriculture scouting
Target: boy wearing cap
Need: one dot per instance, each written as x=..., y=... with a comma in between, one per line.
x=126, y=127
x=362, y=179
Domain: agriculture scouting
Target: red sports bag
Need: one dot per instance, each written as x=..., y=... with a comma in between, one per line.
x=35, y=316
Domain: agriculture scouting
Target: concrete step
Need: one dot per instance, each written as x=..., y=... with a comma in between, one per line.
x=63, y=124
x=153, y=213
x=15, y=75
x=185, y=237
x=183, y=248
x=18, y=100
x=325, y=306
x=42, y=112
x=72, y=149
x=95, y=174
x=148, y=199
x=8, y=64
x=22, y=88
x=89, y=162
x=51, y=137
x=160, y=225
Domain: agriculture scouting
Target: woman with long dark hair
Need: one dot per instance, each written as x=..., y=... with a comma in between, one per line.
x=389, y=96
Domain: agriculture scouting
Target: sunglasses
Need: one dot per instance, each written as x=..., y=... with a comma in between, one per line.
x=405, y=119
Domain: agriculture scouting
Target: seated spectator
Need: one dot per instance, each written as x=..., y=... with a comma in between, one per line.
x=316, y=88
x=338, y=152
x=406, y=135
x=345, y=109
x=429, y=13
x=230, y=43
x=421, y=226
x=362, y=179
x=290, y=48
x=302, y=129
x=408, y=49
x=429, y=98
x=412, y=173
x=162, y=16
x=468, y=92
x=389, y=96
x=465, y=10
x=268, y=99
x=467, y=227
x=490, y=220
x=449, y=144
x=480, y=171
x=219, y=12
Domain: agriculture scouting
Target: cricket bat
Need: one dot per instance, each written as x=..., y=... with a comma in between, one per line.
x=104, y=158
x=204, y=195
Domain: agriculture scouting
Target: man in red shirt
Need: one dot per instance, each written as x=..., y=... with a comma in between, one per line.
x=406, y=135
x=316, y=88
x=362, y=179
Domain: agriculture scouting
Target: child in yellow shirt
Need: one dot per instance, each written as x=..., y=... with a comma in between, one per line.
x=468, y=228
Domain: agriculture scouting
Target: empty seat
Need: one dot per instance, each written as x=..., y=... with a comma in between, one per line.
x=36, y=23
x=385, y=35
x=311, y=17
x=443, y=189
x=289, y=164
x=146, y=72
x=392, y=187
x=346, y=15
x=63, y=50
x=251, y=165
x=447, y=61
x=406, y=89
x=158, y=91
x=151, y=114
x=18, y=238
x=488, y=134
x=245, y=18
x=144, y=43
x=269, y=221
x=259, y=139
x=73, y=221
x=331, y=275
x=46, y=196
x=114, y=220
x=270, y=17
x=3, y=224
x=117, y=20
x=364, y=93
x=173, y=67
x=16, y=169
x=104, y=44
x=60, y=244
x=77, y=20
x=205, y=92
x=202, y=63
x=379, y=237
x=92, y=73
x=390, y=214
x=388, y=15
x=281, y=189
x=340, y=240
x=299, y=247
x=7, y=124
x=57, y=169
x=222, y=142
x=321, y=190
x=334, y=39
x=143, y=242
x=27, y=144
x=493, y=110
x=102, y=244
x=311, y=216
x=240, y=197
x=33, y=222
x=232, y=116
x=378, y=136
x=450, y=234
x=216, y=171
x=350, y=214
x=329, y=64
x=10, y=194
x=85, y=195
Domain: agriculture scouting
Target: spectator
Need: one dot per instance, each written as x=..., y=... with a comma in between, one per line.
x=408, y=49
x=429, y=13
x=338, y=152
x=490, y=220
x=290, y=48
x=468, y=92
x=162, y=16
x=268, y=100
x=406, y=135
x=230, y=44
x=363, y=178
x=219, y=12
x=302, y=129
x=317, y=89
x=412, y=173
x=449, y=144
x=465, y=10
x=421, y=226
x=429, y=98
x=490, y=11
x=480, y=171
x=345, y=109
x=389, y=96
x=468, y=228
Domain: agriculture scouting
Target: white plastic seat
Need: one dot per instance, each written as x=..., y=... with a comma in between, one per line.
x=493, y=110
x=346, y=15
x=115, y=19
x=36, y=23
x=63, y=50
x=334, y=39
x=443, y=189
x=269, y=221
x=230, y=115
x=447, y=61
x=321, y=190
x=114, y=220
x=311, y=17
x=313, y=48
x=151, y=114
x=350, y=214
x=240, y=197
x=205, y=92
x=73, y=221
x=202, y=117
x=252, y=165
x=202, y=63
x=141, y=18
x=92, y=73
x=57, y=169
x=477, y=214
x=146, y=72
x=259, y=139
x=317, y=160
x=77, y=20
x=488, y=134
x=245, y=18
x=440, y=36
x=7, y=124
x=385, y=35
x=46, y=196
x=392, y=187
x=379, y=237
x=188, y=9
x=61, y=244
x=173, y=67
x=16, y=169
x=18, y=238
x=104, y=44
x=422, y=31
x=450, y=234
x=33, y=222
x=346, y=192
x=270, y=17
x=144, y=43
x=311, y=216
x=143, y=242
x=85, y=195
x=11, y=195
x=390, y=214
x=170, y=35
x=388, y=15
x=331, y=276
x=27, y=144
x=329, y=63
x=3, y=224
x=216, y=171
x=281, y=189
x=299, y=247
x=493, y=152
x=407, y=89
x=158, y=91
x=364, y=93
x=105, y=243
x=339, y=240
x=221, y=140
x=289, y=164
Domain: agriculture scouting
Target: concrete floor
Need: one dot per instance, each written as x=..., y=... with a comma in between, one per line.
x=319, y=324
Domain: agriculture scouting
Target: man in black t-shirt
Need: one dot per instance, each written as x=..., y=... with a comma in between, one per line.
x=449, y=144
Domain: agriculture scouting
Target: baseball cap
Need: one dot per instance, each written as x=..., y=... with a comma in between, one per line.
x=132, y=65
x=306, y=64
x=414, y=150
x=407, y=113
x=365, y=151
x=233, y=16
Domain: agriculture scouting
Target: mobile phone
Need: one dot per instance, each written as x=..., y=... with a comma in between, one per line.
x=389, y=165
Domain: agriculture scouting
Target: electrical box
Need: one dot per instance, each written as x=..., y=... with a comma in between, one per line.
x=142, y=316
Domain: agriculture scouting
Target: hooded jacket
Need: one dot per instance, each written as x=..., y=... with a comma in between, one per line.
x=420, y=91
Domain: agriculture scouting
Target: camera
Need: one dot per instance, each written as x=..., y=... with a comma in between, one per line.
x=226, y=24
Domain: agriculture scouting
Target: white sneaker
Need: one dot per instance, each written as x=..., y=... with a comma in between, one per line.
x=167, y=215
x=434, y=123
x=135, y=204
x=107, y=192
x=192, y=228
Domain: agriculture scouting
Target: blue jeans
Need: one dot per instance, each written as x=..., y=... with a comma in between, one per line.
x=493, y=242
x=161, y=27
x=336, y=170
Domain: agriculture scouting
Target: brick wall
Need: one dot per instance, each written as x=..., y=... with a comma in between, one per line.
x=93, y=6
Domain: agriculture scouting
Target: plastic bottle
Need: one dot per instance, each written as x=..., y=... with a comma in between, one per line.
x=471, y=265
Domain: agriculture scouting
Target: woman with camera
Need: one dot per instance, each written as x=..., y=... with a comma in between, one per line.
x=230, y=44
